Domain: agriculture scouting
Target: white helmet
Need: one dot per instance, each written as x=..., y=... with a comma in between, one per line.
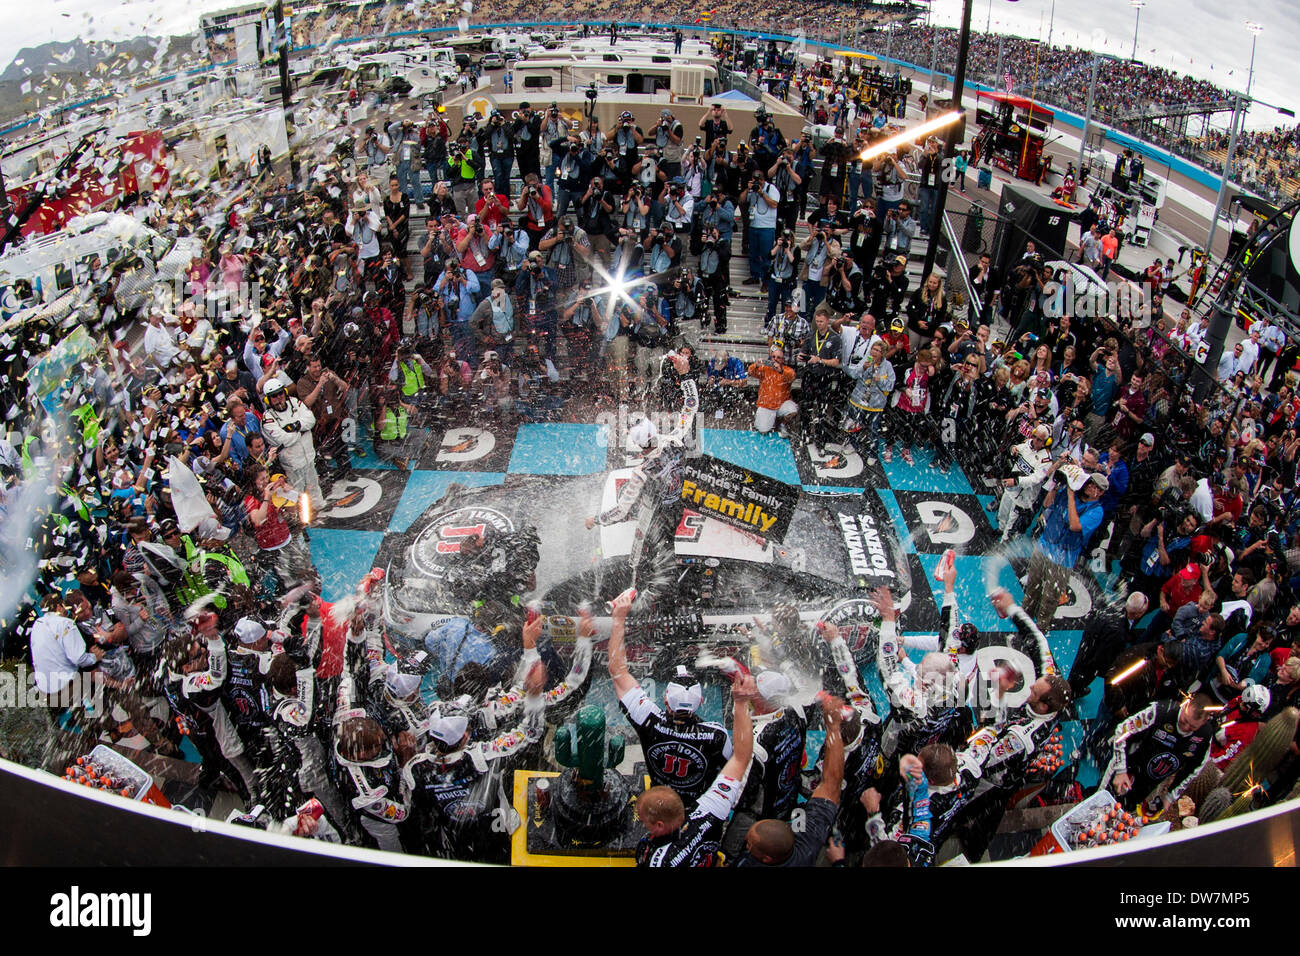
x=643, y=433
x=1256, y=698
x=273, y=387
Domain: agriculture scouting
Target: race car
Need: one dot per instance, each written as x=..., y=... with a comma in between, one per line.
x=838, y=547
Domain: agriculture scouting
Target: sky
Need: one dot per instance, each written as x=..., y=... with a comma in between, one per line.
x=1206, y=38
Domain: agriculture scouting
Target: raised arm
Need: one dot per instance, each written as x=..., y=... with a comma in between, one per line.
x=743, y=690
x=623, y=681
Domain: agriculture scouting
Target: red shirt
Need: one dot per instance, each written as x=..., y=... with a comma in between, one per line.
x=493, y=215
x=1178, y=590
x=272, y=533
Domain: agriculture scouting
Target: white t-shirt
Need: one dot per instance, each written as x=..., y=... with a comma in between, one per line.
x=761, y=215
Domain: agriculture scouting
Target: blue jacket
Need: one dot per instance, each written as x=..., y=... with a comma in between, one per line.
x=1058, y=542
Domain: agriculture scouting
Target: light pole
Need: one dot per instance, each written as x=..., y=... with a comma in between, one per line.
x=1051, y=22
x=958, y=87
x=1137, y=5
x=1255, y=30
x=1087, y=116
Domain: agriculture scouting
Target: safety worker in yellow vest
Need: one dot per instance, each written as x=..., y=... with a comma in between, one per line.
x=396, y=439
x=413, y=376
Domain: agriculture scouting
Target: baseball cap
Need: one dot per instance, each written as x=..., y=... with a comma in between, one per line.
x=249, y=631
x=1100, y=480
x=1147, y=439
x=773, y=686
x=534, y=256
x=683, y=692
x=900, y=260
x=449, y=729
x=404, y=685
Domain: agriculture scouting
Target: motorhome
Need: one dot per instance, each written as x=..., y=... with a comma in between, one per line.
x=632, y=76
x=49, y=266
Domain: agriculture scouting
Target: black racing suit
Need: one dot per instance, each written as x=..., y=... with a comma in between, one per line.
x=683, y=754
x=1150, y=748
x=698, y=841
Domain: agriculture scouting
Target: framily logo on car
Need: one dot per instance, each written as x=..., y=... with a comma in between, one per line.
x=78, y=910
x=440, y=543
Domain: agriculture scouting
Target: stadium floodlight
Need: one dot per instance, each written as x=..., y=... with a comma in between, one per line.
x=1137, y=6
x=1255, y=30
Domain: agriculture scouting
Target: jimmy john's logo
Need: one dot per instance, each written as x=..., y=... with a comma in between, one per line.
x=437, y=548
x=868, y=554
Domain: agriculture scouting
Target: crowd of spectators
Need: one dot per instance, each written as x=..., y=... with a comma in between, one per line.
x=175, y=558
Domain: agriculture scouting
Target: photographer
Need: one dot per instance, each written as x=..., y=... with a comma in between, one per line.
x=514, y=245
x=663, y=252
x=653, y=332
x=526, y=129
x=457, y=286
x=695, y=172
x=784, y=272
x=491, y=207
x=596, y=211
x=535, y=300
x=497, y=142
x=493, y=322
x=535, y=202
x=428, y=314
x=900, y=229
x=627, y=137
x=819, y=248
x=689, y=298
x=678, y=206
x=843, y=281
x=715, y=257
x=375, y=147
x=566, y=247
x=723, y=176
x=637, y=211
x=787, y=181
x=572, y=163
x=477, y=247
x=581, y=333
x=765, y=139
x=761, y=199
x=890, y=173
x=554, y=133
x=668, y=134
x=715, y=124
x=836, y=157
x=465, y=165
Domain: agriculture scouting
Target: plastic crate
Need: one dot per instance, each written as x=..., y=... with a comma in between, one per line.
x=140, y=782
x=1068, y=827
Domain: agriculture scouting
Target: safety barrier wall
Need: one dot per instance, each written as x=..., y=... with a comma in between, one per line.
x=50, y=821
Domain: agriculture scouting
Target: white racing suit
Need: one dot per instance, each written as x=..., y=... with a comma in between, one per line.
x=1029, y=469
x=290, y=431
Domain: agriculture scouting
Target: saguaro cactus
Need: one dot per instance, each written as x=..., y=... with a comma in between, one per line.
x=1214, y=804
x=589, y=754
x=1264, y=753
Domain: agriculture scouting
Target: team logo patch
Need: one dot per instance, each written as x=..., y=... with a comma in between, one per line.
x=1162, y=765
